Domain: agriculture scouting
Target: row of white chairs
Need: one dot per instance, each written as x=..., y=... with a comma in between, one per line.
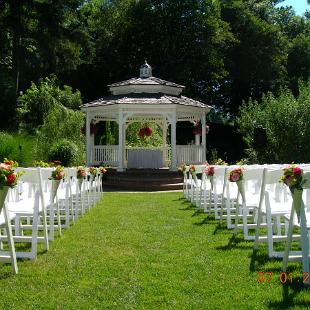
x=261, y=207
x=33, y=211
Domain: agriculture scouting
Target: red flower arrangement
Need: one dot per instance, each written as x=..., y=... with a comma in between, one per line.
x=209, y=171
x=81, y=172
x=292, y=177
x=8, y=176
x=145, y=132
x=236, y=175
x=58, y=173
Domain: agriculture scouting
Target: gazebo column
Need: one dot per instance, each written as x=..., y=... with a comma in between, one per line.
x=165, y=152
x=120, y=142
x=204, y=140
x=173, y=143
x=88, y=140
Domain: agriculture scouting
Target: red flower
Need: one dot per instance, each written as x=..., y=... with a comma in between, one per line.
x=148, y=131
x=210, y=171
x=141, y=133
x=297, y=171
x=11, y=178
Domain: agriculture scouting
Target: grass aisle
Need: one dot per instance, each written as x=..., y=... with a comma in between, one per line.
x=148, y=251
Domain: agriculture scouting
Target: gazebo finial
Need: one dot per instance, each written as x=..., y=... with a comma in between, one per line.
x=145, y=70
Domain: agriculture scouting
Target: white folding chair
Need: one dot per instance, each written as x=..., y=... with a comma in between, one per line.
x=304, y=226
x=274, y=206
x=30, y=207
x=229, y=200
x=5, y=224
x=249, y=191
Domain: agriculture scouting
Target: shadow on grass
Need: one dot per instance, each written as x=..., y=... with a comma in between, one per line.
x=190, y=207
x=207, y=220
x=219, y=227
x=198, y=212
x=258, y=260
x=232, y=244
x=289, y=292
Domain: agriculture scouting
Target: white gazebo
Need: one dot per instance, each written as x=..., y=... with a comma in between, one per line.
x=146, y=99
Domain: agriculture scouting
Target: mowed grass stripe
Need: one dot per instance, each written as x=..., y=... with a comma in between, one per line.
x=147, y=251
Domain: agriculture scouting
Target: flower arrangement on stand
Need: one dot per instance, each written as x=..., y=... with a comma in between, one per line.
x=102, y=170
x=8, y=178
x=93, y=171
x=293, y=178
x=192, y=169
x=182, y=168
x=145, y=131
x=209, y=171
x=236, y=175
x=57, y=175
x=81, y=173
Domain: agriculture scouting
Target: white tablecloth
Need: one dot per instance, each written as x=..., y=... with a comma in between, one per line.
x=141, y=159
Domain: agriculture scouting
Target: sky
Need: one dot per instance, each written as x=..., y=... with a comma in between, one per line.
x=300, y=6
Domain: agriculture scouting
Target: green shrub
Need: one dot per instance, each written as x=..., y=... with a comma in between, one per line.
x=64, y=151
x=20, y=148
x=61, y=123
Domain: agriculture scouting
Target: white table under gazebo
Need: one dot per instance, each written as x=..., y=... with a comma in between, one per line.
x=145, y=99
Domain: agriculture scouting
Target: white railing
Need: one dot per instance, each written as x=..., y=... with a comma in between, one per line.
x=190, y=154
x=107, y=154
x=166, y=152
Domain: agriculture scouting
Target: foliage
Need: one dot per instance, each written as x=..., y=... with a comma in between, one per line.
x=39, y=99
x=20, y=148
x=64, y=151
x=286, y=120
x=62, y=123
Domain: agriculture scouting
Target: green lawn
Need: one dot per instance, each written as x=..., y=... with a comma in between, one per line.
x=148, y=251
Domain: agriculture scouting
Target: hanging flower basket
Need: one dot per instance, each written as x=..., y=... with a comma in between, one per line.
x=145, y=132
x=93, y=128
x=198, y=129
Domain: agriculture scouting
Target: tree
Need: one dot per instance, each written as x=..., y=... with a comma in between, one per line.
x=287, y=124
x=256, y=62
x=36, y=103
x=184, y=41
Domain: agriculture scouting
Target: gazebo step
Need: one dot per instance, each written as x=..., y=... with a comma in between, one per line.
x=143, y=180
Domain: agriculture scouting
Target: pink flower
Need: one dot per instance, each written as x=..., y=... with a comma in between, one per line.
x=4, y=166
x=234, y=177
x=297, y=171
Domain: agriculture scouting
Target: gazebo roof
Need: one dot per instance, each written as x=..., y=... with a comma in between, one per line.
x=145, y=99
x=147, y=92
x=152, y=80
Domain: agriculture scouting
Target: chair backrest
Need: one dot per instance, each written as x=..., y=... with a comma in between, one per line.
x=306, y=177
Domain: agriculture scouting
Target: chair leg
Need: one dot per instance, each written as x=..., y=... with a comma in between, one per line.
x=10, y=240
